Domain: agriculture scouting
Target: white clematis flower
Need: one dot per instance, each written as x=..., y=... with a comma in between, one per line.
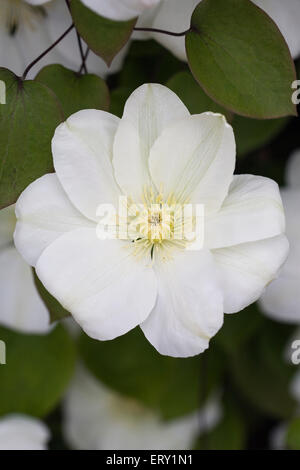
x=19, y=432
x=157, y=153
x=281, y=300
x=97, y=418
x=120, y=10
x=21, y=307
x=28, y=27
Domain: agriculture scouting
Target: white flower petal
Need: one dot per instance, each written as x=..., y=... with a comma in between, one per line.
x=293, y=170
x=147, y=112
x=291, y=203
x=174, y=15
x=120, y=10
x=44, y=213
x=252, y=211
x=287, y=17
x=245, y=270
x=194, y=159
x=277, y=439
x=22, y=309
x=18, y=50
x=36, y=2
x=189, y=306
x=99, y=418
x=7, y=225
x=107, y=290
x=82, y=153
x=145, y=20
x=295, y=387
x=19, y=432
x=281, y=301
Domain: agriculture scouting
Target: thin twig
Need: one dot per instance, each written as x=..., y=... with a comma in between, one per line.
x=85, y=58
x=163, y=31
x=29, y=67
x=83, y=65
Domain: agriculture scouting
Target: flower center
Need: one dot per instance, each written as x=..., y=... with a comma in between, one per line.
x=14, y=13
x=159, y=225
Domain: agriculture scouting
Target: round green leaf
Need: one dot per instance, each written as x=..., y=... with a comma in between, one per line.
x=188, y=90
x=55, y=309
x=105, y=37
x=75, y=91
x=37, y=370
x=171, y=386
x=293, y=434
x=240, y=58
x=27, y=124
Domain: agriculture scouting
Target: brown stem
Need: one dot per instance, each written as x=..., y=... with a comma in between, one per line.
x=163, y=31
x=29, y=67
x=83, y=58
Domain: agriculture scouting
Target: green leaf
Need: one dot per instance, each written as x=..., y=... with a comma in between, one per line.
x=188, y=90
x=56, y=310
x=105, y=37
x=27, y=124
x=239, y=329
x=239, y=57
x=251, y=134
x=37, y=370
x=171, y=386
x=293, y=434
x=262, y=374
x=75, y=91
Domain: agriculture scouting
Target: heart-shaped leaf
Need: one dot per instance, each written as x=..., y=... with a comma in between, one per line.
x=75, y=91
x=27, y=124
x=240, y=58
x=105, y=37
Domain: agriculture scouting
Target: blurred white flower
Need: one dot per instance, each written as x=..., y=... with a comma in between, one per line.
x=97, y=418
x=281, y=300
x=21, y=307
x=278, y=434
x=287, y=17
x=295, y=387
x=20, y=432
x=157, y=152
x=175, y=15
x=277, y=437
x=120, y=10
x=28, y=27
x=170, y=15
